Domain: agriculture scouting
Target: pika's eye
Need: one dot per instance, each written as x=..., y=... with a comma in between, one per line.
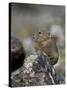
x=39, y=32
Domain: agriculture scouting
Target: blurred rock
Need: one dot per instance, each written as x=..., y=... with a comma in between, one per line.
x=17, y=54
x=57, y=31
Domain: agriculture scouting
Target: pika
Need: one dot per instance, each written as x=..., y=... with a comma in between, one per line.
x=47, y=44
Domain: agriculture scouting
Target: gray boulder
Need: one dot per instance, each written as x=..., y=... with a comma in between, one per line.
x=36, y=70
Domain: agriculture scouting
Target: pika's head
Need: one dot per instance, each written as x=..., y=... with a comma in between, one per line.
x=47, y=43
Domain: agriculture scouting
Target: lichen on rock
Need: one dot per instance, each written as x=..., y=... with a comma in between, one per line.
x=32, y=72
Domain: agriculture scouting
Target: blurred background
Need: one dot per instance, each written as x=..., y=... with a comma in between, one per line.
x=27, y=19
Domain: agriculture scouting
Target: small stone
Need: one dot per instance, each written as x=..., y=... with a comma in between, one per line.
x=17, y=80
x=32, y=74
x=16, y=72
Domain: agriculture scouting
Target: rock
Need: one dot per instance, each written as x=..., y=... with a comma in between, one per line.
x=17, y=54
x=57, y=30
x=32, y=72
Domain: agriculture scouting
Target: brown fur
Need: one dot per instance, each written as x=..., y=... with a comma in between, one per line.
x=48, y=45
